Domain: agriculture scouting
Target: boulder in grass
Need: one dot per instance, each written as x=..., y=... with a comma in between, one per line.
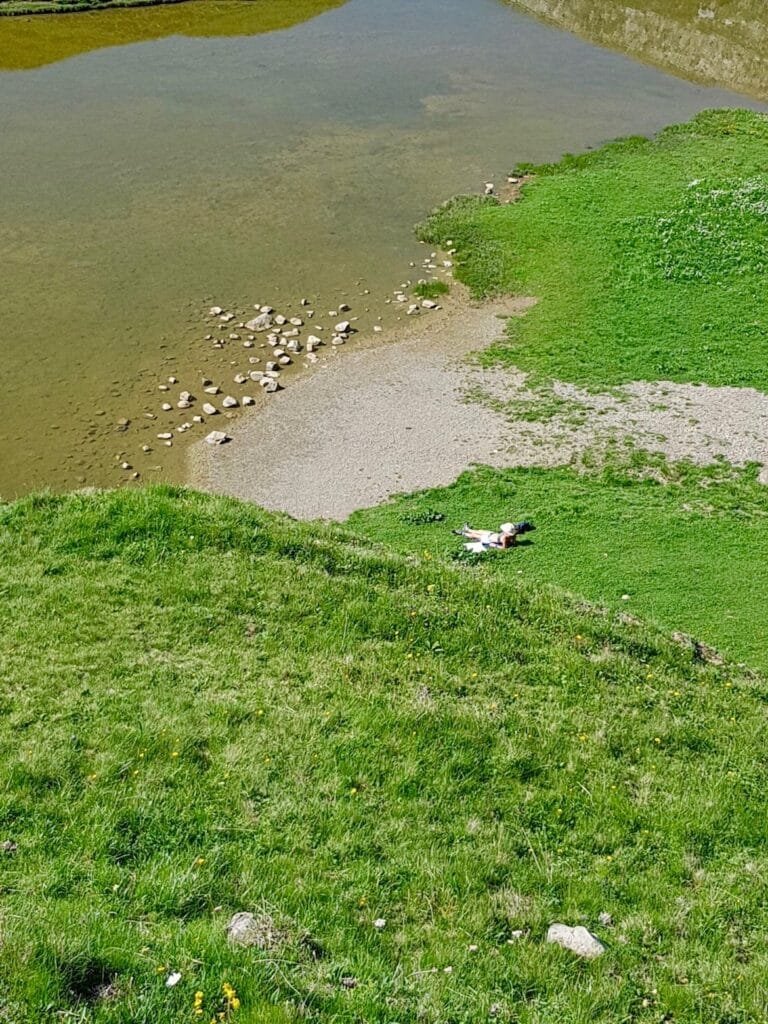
x=218, y=437
x=577, y=940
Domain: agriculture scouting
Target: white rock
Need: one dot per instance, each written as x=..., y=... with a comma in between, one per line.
x=294, y=345
x=378, y=328
x=229, y=402
x=164, y=437
x=280, y=320
x=271, y=386
x=211, y=390
x=338, y=339
x=260, y=323
x=185, y=396
x=248, y=400
x=429, y=304
x=285, y=360
x=183, y=405
x=217, y=437
x=490, y=188
x=163, y=387
x=344, y=327
x=227, y=318
x=240, y=378
x=343, y=307
x=271, y=365
x=166, y=407
x=215, y=311
x=255, y=375
x=577, y=940
x=297, y=321
x=210, y=410
x=198, y=419
x=313, y=343
x=413, y=310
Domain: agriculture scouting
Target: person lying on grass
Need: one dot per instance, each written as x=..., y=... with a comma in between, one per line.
x=483, y=540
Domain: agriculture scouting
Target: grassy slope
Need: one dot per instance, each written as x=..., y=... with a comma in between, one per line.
x=642, y=274
x=208, y=709
x=692, y=555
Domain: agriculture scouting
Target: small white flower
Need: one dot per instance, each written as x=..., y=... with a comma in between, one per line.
x=447, y=970
x=473, y=948
x=173, y=979
x=379, y=923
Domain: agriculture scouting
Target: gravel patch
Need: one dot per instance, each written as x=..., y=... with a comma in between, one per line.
x=374, y=421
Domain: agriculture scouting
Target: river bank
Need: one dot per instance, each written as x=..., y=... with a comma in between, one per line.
x=10, y=8
x=274, y=197
x=593, y=364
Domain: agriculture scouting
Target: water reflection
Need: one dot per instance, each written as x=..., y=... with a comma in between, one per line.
x=723, y=42
x=31, y=42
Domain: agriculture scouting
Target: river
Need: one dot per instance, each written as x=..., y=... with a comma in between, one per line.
x=154, y=162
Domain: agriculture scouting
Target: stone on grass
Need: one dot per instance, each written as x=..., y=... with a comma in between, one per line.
x=259, y=930
x=577, y=940
x=209, y=410
x=229, y=402
x=429, y=304
x=248, y=400
x=344, y=327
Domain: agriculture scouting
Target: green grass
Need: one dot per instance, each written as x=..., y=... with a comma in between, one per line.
x=688, y=545
x=208, y=709
x=649, y=257
x=430, y=289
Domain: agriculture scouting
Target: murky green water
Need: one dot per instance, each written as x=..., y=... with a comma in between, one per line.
x=142, y=181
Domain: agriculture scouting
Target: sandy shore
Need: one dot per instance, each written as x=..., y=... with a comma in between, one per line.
x=371, y=422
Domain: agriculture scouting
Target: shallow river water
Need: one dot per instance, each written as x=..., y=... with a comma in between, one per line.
x=154, y=162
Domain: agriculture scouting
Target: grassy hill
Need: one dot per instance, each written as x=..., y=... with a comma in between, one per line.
x=208, y=709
